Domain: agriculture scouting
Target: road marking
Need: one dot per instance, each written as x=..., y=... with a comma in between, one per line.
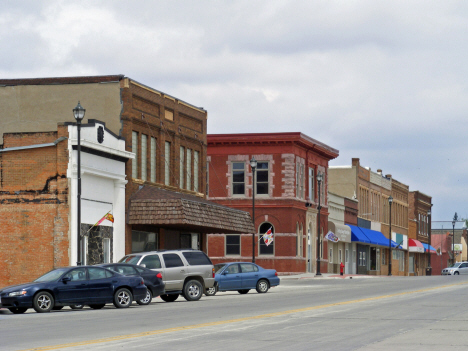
x=230, y=321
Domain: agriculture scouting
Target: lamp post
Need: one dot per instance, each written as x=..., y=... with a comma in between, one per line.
x=429, y=269
x=253, y=164
x=319, y=207
x=453, y=238
x=390, y=200
x=79, y=113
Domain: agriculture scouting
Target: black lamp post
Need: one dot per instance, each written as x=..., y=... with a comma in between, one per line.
x=79, y=113
x=253, y=164
x=429, y=270
x=319, y=207
x=390, y=200
x=453, y=238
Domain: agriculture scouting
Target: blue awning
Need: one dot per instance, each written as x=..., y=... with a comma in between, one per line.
x=394, y=244
x=358, y=235
x=427, y=247
x=375, y=237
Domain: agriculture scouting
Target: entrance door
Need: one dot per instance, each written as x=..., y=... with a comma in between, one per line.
x=411, y=263
x=362, y=259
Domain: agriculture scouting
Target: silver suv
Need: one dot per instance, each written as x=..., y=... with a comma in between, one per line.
x=185, y=272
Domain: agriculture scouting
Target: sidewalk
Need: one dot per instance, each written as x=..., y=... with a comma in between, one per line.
x=328, y=276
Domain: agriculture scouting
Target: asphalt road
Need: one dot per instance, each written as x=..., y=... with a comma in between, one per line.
x=390, y=313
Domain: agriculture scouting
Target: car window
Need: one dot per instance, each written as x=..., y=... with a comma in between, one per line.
x=77, y=274
x=98, y=273
x=126, y=270
x=51, y=276
x=197, y=258
x=151, y=261
x=463, y=265
x=218, y=267
x=172, y=260
x=248, y=268
x=141, y=270
x=232, y=269
x=133, y=259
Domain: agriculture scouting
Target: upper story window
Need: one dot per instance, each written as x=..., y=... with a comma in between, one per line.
x=189, y=170
x=262, y=178
x=196, y=159
x=299, y=180
x=311, y=185
x=181, y=167
x=144, y=140
x=153, y=160
x=168, y=114
x=167, y=163
x=135, y=151
x=238, y=178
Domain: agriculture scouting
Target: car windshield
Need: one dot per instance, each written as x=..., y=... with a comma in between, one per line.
x=130, y=259
x=52, y=275
x=455, y=265
x=218, y=267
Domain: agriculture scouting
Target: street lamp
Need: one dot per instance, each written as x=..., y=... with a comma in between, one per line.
x=429, y=270
x=453, y=238
x=253, y=164
x=79, y=113
x=390, y=200
x=319, y=207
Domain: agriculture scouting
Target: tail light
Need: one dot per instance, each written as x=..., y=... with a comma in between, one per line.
x=213, y=272
x=142, y=281
x=276, y=274
x=159, y=275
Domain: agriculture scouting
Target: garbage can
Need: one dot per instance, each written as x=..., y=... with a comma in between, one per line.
x=428, y=271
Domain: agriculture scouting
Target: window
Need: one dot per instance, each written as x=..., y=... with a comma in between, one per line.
x=299, y=240
x=262, y=178
x=311, y=184
x=168, y=114
x=301, y=184
x=189, y=170
x=263, y=248
x=196, y=156
x=232, y=269
x=167, y=163
x=401, y=261
x=248, y=268
x=232, y=244
x=151, y=262
x=238, y=178
x=106, y=250
x=127, y=270
x=181, y=167
x=330, y=255
x=153, y=160
x=340, y=257
x=207, y=179
x=135, y=151
x=77, y=274
x=172, y=260
x=98, y=273
x=144, y=241
x=144, y=140
x=196, y=258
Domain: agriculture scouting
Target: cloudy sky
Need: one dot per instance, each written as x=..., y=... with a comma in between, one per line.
x=384, y=81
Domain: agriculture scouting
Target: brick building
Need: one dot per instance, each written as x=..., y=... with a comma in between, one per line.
x=286, y=197
x=167, y=136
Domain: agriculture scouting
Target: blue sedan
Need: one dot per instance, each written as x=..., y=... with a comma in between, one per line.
x=243, y=276
x=74, y=286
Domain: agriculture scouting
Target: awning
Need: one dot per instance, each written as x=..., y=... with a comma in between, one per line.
x=343, y=232
x=415, y=246
x=164, y=208
x=376, y=238
x=357, y=235
x=369, y=236
x=427, y=247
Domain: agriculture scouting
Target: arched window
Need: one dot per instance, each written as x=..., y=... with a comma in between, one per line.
x=263, y=248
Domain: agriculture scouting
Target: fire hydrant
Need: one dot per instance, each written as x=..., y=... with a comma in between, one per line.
x=341, y=268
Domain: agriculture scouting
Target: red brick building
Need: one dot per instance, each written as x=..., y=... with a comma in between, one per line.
x=286, y=197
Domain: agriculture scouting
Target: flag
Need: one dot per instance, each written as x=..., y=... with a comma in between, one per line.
x=110, y=217
x=332, y=237
x=107, y=216
x=268, y=236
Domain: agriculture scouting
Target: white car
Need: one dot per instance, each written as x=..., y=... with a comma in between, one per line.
x=456, y=269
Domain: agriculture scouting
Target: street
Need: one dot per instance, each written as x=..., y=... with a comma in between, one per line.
x=387, y=313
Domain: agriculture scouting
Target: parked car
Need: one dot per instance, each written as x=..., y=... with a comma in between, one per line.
x=185, y=272
x=153, y=280
x=243, y=276
x=456, y=269
x=74, y=286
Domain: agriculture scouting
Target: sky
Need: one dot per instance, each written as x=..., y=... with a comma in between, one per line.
x=382, y=81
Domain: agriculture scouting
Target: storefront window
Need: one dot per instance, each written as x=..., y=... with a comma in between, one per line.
x=144, y=241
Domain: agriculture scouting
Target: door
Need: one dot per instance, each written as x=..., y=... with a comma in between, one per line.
x=174, y=271
x=74, y=290
x=100, y=285
x=361, y=259
x=463, y=268
x=249, y=275
x=231, y=278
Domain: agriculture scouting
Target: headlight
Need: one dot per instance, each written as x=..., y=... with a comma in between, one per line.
x=17, y=293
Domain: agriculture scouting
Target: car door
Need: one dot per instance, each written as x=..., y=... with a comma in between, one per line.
x=230, y=279
x=174, y=271
x=74, y=290
x=100, y=285
x=249, y=275
x=463, y=268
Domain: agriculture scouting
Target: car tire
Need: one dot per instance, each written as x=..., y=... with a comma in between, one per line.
x=243, y=291
x=122, y=298
x=147, y=299
x=456, y=273
x=77, y=307
x=43, y=302
x=262, y=286
x=193, y=290
x=211, y=291
x=97, y=306
x=17, y=310
x=57, y=308
x=169, y=297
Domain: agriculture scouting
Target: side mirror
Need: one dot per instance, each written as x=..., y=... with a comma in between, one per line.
x=143, y=265
x=66, y=279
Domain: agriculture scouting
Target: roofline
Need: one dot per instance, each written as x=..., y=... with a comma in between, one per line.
x=62, y=80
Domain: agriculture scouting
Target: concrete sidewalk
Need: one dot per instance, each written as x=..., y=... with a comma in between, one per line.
x=328, y=276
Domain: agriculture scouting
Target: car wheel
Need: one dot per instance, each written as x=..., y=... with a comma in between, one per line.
x=147, y=298
x=77, y=307
x=169, y=297
x=17, y=310
x=43, y=302
x=262, y=286
x=243, y=291
x=122, y=298
x=211, y=291
x=96, y=307
x=456, y=273
x=193, y=290
x=57, y=308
